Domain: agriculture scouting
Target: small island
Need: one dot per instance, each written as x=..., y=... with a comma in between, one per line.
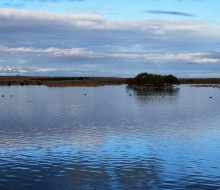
x=153, y=81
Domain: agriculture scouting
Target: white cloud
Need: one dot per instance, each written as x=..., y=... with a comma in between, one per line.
x=93, y=10
x=96, y=21
x=54, y=38
x=15, y=14
x=87, y=54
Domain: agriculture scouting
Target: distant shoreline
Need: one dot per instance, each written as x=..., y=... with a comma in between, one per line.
x=85, y=81
x=199, y=80
x=60, y=81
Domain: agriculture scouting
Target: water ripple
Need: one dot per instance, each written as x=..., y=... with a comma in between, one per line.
x=108, y=139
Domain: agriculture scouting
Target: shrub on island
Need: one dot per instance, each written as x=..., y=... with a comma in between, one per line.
x=148, y=79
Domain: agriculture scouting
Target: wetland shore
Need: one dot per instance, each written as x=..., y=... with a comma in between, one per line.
x=60, y=81
x=86, y=81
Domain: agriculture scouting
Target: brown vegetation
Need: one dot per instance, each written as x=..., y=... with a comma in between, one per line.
x=60, y=81
x=200, y=81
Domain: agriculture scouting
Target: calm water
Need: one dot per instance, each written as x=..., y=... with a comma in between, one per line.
x=59, y=138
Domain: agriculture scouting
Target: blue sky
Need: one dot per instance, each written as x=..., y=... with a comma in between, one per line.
x=110, y=38
x=122, y=9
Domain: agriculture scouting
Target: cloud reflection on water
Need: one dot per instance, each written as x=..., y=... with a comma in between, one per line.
x=108, y=138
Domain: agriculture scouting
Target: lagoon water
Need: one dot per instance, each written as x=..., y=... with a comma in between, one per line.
x=59, y=138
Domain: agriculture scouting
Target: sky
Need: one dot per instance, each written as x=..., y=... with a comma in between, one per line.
x=117, y=38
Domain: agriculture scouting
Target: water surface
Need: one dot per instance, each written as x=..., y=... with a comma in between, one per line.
x=111, y=138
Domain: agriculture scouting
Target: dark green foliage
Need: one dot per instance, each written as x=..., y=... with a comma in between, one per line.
x=148, y=79
x=170, y=79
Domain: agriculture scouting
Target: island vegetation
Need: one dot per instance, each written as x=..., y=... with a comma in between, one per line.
x=149, y=80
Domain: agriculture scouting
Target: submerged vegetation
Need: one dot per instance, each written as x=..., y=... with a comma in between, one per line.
x=153, y=80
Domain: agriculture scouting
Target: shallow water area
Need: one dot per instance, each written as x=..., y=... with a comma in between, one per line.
x=109, y=137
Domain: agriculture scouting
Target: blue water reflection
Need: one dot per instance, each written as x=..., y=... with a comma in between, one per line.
x=113, y=137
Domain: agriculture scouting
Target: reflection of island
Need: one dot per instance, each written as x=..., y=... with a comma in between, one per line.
x=152, y=92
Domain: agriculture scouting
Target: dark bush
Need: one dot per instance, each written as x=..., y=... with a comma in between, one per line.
x=148, y=79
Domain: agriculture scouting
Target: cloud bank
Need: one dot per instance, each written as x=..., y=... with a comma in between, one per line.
x=89, y=44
